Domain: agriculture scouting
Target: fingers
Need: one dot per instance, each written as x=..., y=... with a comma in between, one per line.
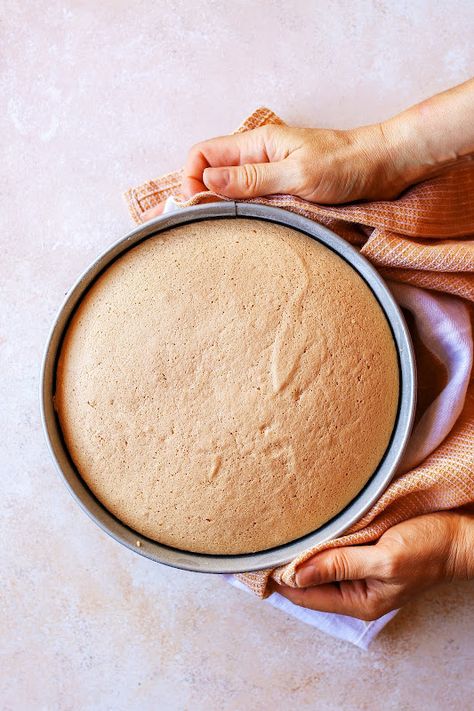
x=222, y=151
x=337, y=564
x=249, y=180
x=242, y=165
x=346, y=599
x=325, y=598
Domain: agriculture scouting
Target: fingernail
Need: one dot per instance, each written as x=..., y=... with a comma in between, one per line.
x=216, y=178
x=305, y=576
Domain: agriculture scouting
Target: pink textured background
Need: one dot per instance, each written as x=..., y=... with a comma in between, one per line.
x=96, y=97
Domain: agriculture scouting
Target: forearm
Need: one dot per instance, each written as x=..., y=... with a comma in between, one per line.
x=432, y=134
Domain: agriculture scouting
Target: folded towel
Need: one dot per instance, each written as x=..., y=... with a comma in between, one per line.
x=424, y=238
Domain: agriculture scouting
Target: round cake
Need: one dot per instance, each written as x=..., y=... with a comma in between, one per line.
x=227, y=386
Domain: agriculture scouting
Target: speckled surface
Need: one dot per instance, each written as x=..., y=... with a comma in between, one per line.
x=97, y=97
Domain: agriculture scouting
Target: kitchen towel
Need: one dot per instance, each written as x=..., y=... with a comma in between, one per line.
x=424, y=239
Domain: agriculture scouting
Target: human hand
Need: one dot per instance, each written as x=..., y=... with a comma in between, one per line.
x=374, y=162
x=369, y=581
x=320, y=165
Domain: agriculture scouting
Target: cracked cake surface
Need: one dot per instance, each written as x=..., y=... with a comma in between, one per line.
x=227, y=386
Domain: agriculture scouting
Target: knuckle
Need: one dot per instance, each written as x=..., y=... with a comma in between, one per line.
x=370, y=613
x=249, y=177
x=194, y=150
x=197, y=149
x=340, y=566
x=376, y=605
x=371, y=610
x=392, y=566
x=193, y=153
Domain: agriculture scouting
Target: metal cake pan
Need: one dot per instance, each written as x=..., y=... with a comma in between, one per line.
x=275, y=556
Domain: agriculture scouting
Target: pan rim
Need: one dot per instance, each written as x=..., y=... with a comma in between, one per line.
x=280, y=555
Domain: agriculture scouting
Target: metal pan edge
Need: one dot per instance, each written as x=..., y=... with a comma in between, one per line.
x=282, y=554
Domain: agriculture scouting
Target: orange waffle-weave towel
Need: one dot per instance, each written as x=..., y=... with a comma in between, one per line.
x=424, y=238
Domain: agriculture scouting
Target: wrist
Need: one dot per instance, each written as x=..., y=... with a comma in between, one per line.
x=378, y=153
x=409, y=153
x=461, y=553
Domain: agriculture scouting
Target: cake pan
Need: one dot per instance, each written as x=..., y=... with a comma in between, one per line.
x=275, y=556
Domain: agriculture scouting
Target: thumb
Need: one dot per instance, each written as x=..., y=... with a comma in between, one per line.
x=250, y=180
x=336, y=564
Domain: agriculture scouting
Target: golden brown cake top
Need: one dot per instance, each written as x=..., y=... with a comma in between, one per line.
x=227, y=386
